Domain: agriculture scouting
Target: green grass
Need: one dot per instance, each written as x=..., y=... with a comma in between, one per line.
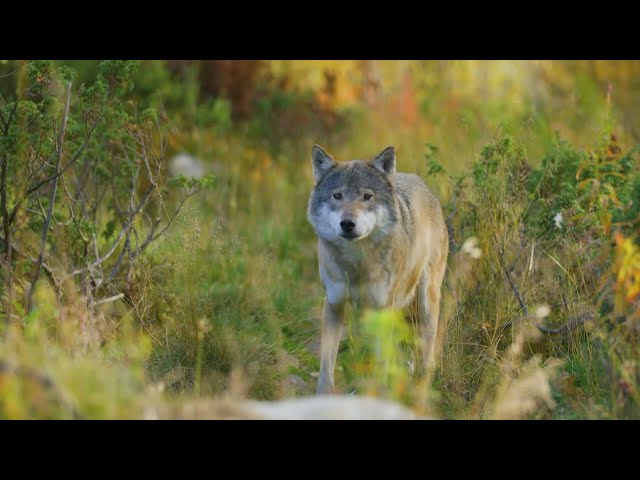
x=228, y=302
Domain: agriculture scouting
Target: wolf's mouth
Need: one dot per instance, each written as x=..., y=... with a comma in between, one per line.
x=350, y=236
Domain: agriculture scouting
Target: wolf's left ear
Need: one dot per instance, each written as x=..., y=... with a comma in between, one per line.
x=385, y=161
x=321, y=162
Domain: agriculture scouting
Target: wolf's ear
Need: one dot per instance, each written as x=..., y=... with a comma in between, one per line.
x=321, y=162
x=385, y=161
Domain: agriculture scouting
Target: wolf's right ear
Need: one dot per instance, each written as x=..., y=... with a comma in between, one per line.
x=321, y=162
x=385, y=161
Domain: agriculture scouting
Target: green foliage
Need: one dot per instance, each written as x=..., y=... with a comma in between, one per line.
x=434, y=167
x=215, y=114
x=380, y=354
x=206, y=182
x=590, y=189
x=522, y=256
x=86, y=163
x=41, y=71
x=497, y=171
x=225, y=300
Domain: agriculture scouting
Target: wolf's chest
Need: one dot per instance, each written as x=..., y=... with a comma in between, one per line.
x=373, y=293
x=372, y=287
x=377, y=275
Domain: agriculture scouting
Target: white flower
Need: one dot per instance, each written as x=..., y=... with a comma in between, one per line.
x=469, y=247
x=543, y=311
x=558, y=219
x=469, y=244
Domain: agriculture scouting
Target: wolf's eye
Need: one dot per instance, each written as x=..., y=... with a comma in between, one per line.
x=337, y=196
x=367, y=196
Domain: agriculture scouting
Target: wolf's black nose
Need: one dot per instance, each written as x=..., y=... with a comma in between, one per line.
x=347, y=225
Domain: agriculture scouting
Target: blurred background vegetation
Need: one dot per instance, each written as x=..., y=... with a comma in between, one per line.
x=155, y=251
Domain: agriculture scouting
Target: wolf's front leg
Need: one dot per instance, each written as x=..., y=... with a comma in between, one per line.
x=332, y=321
x=428, y=306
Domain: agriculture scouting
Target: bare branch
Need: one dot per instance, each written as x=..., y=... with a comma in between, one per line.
x=571, y=324
x=66, y=167
x=7, y=122
x=42, y=212
x=109, y=299
x=97, y=254
x=72, y=217
x=33, y=173
x=507, y=273
x=4, y=102
x=146, y=162
x=11, y=113
x=125, y=249
x=122, y=233
x=164, y=229
x=516, y=292
x=449, y=222
x=58, y=173
x=7, y=236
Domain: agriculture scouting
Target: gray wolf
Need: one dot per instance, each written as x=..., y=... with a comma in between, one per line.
x=382, y=243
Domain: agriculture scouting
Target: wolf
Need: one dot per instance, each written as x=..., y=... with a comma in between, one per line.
x=382, y=243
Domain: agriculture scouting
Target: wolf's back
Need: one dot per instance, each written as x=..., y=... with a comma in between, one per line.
x=422, y=212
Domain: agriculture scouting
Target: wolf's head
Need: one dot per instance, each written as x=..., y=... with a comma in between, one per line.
x=352, y=200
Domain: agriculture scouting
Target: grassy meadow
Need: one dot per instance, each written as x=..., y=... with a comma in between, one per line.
x=130, y=290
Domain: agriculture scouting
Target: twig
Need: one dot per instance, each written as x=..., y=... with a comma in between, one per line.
x=449, y=220
x=516, y=292
x=47, y=222
x=6, y=217
x=61, y=171
x=66, y=167
x=571, y=324
x=7, y=235
x=507, y=273
x=125, y=249
x=32, y=172
x=151, y=237
x=109, y=299
x=134, y=309
x=115, y=244
x=47, y=269
x=11, y=114
x=8, y=74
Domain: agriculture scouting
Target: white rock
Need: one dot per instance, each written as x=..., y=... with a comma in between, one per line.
x=330, y=407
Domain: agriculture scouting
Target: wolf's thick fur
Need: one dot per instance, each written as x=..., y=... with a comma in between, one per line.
x=382, y=242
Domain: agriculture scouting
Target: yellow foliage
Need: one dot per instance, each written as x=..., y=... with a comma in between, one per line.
x=627, y=270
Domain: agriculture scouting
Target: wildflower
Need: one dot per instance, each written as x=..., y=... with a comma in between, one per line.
x=202, y=328
x=469, y=247
x=543, y=311
x=558, y=220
